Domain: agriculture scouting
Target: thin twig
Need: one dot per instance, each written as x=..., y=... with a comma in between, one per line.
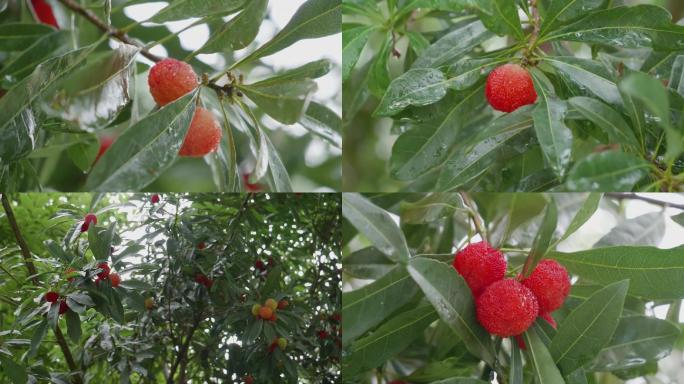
x=28, y=262
x=634, y=196
x=479, y=227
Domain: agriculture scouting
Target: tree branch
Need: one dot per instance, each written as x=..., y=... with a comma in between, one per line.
x=634, y=196
x=28, y=262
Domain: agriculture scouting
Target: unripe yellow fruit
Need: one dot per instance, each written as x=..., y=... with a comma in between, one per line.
x=255, y=309
x=149, y=303
x=271, y=304
x=282, y=343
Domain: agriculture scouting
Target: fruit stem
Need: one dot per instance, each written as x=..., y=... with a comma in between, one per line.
x=534, y=36
x=479, y=227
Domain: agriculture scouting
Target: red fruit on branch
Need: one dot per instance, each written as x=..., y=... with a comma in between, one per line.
x=260, y=265
x=105, y=271
x=251, y=187
x=249, y=379
x=115, y=279
x=480, y=265
x=322, y=335
x=170, y=79
x=43, y=12
x=204, y=280
x=154, y=199
x=336, y=317
x=204, y=134
x=506, y=308
x=87, y=221
x=282, y=304
x=550, y=282
x=51, y=296
x=63, y=307
x=265, y=313
x=509, y=87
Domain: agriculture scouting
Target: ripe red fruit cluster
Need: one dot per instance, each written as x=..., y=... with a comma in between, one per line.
x=510, y=87
x=507, y=307
x=282, y=304
x=105, y=271
x=87, y=221
x=170, y=79
x=63, y=307
x=204, y=280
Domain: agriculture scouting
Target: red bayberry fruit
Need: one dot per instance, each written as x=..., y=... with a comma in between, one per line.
x=154, y=199
x=480, y=265
x=506, y=308
x=63, y=307
x=87, y=221
x=105, y=271
x=322, y=335
x=51, y=296
x=265, y=313
x=550, y=283
x=282, y=304
x=44, y=13
x=547, y=316
x=170, y=79
x=260, y=265
x=115, y=279
x=201, y=245
x=336, y=317
x=509, y=87
x=105, y=143
x=249, y=379
x=204, y=134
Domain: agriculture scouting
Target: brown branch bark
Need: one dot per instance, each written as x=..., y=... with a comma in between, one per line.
x=123, y=37
x=28, y=262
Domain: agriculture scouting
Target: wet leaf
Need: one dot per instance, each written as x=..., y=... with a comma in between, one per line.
x=589, y=76
x=554, y=137
x=353, y=41
x=183, y=9
x=240, y=31
x=324, y=123
x=18, y=36
x=453, y=45
x=544, y=369
x=607, y=171
x=419, y=87
x=24, y=63
x=284, y=100
x=607, y=119
x=561, y=12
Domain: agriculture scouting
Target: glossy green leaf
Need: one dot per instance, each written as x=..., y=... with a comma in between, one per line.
x=364, y=308
x=515, y=373
x=543, y=367
x=653, y=273
x=376, y=224
x=607, y=119
x=367, y=263
x=47, y=46
x=15, y=372
x=183, y=9
x=73, y=326
x=588, y=328
x=324, y=123
x=646, y=229
x=501, y=17
x=636, y=340
x=276, y=169
x=430, y=208
x=353, y=41
x=543, y=239
x=389, y=339
x=83, y=153
x=18, y=36
x=453, y=301
x=240, y=31
x=378, y=73
x=453, y=45
x=315, y=18
x=38, y=335
x=284, y=100
x=589, y=77
x=467, y=72
x=418, y=87
x=587, y=210
x=100, y=241
x=607, y=171
x=554, y=137
x=561, y=12
x=144, y=150
x=625, y=27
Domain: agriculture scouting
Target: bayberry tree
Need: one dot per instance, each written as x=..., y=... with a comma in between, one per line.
x=81, y=108
x=450, y=288
x=502, y=95
x=161, y=289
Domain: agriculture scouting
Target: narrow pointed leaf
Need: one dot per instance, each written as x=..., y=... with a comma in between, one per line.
x=353, y=41
x=452, y=46
x=607, y=171
x=554, y=137
x=607, y=119
x=285, y=101
x=323, y=122
x=240, y=31
x=18, y=36
x=183, y=9
x=47, y=46
x=543, y=367
x=646, y=229
x=418, y=87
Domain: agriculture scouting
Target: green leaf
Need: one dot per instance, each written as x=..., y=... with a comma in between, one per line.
x=273, y=280
x=653, y=273
x=636, y=340
x=467, y=72
x=588, y=328
x=73, y=326
x=646, y=229
x=543, y=238
x=100, y=241
x=453, y=301
x=501, y=17
x=18, y=36
x=376, y=224
x=138, y=285
x=285, y=101
x=277, y=172
x=183, y=9
x=607, y=171
x=544, y=369
x=367, y=263
x=554, y=137
x=378, y=73
x=367, y=307
x=315, y=18
x=324, y=123
x=516, y=369
x=583, y=214
x=240, y=31
x=426, y=146
x=589, y=76
x=625, y=27
x=418, y=87
x=144, y=150
x=47, y=46
x=607, y=119
x=389, y=339
x=312, y=70
x=18, y=114
x=353, y=41
x=430, y=208
x=38, y=335
x=470, y=162
x=84, y=152
x=16, y=373
x=561, y=12
x=452, y=46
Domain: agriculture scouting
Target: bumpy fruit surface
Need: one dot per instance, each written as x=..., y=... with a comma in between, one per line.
x=480, y=265
x=506, y=308
x=255, y=309
x=170, y=79
x=282, y=304
x=63, y=307
x=550, y=282
x=154, y=199
x=282, y=343
x=265, y=313
x=105, y=271
x=271, y=303
x=204, y=134
x=51, y=296
x=509, y=87
x=115, y=279
x=149, y=303
x=87, y=221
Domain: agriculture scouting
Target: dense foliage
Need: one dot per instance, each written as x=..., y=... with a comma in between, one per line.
x=409, y=316
x=191, y=267
x=607, y=75
x=76, y=112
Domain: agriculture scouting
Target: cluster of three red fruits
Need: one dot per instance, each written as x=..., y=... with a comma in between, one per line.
x=106, y=274
x=508, y=306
